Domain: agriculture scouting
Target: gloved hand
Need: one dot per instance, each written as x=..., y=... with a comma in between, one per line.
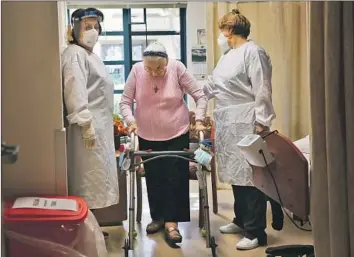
x=260, y=128
x=88, y=135
x=132, y=127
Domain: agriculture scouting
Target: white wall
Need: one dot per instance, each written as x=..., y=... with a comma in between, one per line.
x=196, y=19
x=62, y=18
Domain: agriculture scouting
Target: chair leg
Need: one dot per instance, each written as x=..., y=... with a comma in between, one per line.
x=139, y=203
x=213, y=186
x=201, y=215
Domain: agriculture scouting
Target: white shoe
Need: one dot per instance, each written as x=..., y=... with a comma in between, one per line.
x=231, y=228
x=247, y=244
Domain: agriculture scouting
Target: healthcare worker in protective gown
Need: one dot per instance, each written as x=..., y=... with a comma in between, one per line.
x=241, y=85
x=88, y=100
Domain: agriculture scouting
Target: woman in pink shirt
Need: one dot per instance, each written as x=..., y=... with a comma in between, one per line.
x=161, y=121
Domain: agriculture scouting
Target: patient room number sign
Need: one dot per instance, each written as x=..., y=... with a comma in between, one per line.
x=45, y=203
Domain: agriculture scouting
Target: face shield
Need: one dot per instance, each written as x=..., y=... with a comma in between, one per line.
x=86, y=26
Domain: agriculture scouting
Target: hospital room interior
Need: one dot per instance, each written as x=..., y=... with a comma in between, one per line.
x=252, y=101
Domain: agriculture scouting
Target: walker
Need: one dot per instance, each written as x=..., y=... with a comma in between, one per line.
x=185, y=155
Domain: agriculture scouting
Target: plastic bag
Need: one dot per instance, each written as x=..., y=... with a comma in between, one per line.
x=53, y=249
x=91, y=240
x=203, y=157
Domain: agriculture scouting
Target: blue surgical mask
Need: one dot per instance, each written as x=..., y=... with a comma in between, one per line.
x=222, y=42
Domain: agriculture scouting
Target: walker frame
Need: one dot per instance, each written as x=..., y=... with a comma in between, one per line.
x=185, y=155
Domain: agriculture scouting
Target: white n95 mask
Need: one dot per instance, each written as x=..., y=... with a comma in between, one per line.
x=89, y=37
x=222, y=42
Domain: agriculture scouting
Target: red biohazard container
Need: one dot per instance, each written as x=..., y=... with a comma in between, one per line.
x=57, y=226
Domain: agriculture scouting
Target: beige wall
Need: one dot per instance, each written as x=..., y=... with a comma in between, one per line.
x=31, y=98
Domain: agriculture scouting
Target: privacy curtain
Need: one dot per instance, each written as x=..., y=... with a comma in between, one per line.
x=282, y=29
x=332, y=111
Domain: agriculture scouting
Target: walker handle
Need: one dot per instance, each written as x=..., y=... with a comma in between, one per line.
x=133, y=144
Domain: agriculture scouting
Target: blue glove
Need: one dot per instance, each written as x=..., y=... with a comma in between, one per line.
x=207, y=143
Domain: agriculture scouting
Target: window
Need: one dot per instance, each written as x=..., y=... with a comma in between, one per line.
x=157, y=19
x=172, y=44
x=127, y=32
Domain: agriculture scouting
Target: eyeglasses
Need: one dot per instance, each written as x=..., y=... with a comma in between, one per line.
x=159, y=70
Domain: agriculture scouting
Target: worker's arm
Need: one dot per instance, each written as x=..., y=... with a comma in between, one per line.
x=259, y=71
x=75, y=77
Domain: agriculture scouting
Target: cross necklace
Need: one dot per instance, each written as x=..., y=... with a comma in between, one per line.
x=156, y=89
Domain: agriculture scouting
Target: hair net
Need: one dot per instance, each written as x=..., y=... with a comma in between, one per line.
x=156, y=49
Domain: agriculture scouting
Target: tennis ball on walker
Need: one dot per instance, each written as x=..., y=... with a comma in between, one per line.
x=135, y=234
x=203, y=232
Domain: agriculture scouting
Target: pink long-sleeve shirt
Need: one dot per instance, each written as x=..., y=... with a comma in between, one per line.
x=160, y=110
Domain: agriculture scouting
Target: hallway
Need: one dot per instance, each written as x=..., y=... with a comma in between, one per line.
x=193, y=243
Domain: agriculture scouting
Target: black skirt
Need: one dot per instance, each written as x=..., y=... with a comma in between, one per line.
x=167, y=181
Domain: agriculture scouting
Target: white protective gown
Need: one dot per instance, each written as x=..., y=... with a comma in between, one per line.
x=88, y=95
x=241, y=85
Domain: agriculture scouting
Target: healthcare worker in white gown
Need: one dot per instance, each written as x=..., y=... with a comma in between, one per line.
x=88, y=101
x=241, y=85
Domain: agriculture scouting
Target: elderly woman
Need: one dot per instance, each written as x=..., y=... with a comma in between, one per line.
x=88, y=102
x=241, y=85
x=161, y=121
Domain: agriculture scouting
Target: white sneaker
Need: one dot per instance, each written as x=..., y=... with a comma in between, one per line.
x=247, y=244
x=231, y=228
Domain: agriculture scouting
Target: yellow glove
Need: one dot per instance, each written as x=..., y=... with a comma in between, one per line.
x=88, y=135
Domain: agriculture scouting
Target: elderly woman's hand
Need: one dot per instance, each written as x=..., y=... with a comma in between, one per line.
x=199, y=126
x=132, y=128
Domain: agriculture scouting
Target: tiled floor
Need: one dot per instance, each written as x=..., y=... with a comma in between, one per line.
x=193, y=243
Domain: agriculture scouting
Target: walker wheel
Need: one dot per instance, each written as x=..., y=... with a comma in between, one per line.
x=126, y=248
x=135, y=234
x=203, y=232
x=213, y=246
